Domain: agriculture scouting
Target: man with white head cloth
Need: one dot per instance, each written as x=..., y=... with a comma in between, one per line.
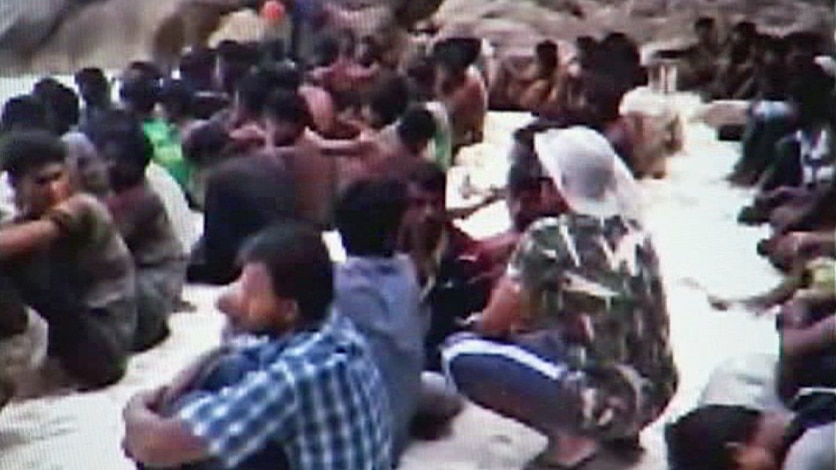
x=574, y=342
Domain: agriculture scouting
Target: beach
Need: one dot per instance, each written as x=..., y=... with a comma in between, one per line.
x=691, y=215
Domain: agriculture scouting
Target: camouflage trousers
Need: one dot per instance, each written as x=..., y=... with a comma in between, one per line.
x=530, y=380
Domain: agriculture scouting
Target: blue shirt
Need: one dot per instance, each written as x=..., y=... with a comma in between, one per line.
x=382, y=297
x=315, y=394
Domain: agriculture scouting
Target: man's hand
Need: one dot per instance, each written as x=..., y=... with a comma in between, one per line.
x=70, y=215
x=139, y=406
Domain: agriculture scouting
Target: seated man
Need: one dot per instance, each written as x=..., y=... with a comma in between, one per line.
x=726, y=437
x=699, y=67
x=64, y=258
x=804, y=170
x=95, y=92
x=304, y=394
x=574, y=342
x=140, y=95
x=378, y=289
x=808, y=345
x=736, y=79
x=525, y=183
x=139, y=213
x=453, y=270
x=461, y=87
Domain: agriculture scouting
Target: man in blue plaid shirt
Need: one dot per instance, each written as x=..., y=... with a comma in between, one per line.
x=305, y=395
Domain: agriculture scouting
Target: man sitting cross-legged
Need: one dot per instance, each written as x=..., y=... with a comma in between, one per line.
x=64, y=258
x=301, y=393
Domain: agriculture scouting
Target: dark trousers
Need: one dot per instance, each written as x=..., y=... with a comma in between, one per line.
x=86, y=347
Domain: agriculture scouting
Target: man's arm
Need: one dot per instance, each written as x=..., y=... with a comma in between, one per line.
x=797, y=342
x=20, y=239
x=69, y=218
x=503, y=312
x=156, y=441
x=213, y=425
x=361, y=148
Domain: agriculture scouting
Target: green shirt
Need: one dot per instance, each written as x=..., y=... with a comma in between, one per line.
x=168, y=150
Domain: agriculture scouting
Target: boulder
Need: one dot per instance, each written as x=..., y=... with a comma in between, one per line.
x=60, y=36
x=520, y=24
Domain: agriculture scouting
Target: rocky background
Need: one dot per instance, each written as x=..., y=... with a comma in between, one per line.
x=63, y=35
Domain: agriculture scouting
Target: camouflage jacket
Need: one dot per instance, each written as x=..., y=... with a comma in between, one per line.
x=596, y=285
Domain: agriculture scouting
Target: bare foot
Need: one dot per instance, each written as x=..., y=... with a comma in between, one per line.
x=756, y=307
x=718, y=303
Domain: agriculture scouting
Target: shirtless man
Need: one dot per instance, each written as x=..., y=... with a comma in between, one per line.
x=541, y=80
x=287, y=121
x=461, y=87
x=341, y=73
x=287, y=76
x=391, y=153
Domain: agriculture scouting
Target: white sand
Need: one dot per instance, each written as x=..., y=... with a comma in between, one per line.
x=691, y=214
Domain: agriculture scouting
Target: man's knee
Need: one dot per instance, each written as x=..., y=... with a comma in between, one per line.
x=95, y=356
x=96, y=373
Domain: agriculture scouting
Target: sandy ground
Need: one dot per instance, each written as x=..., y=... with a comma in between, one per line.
x=691, y=215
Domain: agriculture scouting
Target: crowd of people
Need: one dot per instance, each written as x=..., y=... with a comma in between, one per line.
x=787, y=158
x=560, y=323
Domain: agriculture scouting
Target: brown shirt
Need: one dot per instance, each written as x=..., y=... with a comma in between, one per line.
x=95, y=259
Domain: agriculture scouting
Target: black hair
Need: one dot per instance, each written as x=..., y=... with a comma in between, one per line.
x=274, y=50
x=525, y=174
x=327, y=51
x=429, y=177
x=24, y=112
x=422, y=75
x=196, y=68
x=811, y=88
x=588, y=51
x=390, y=99
x=458, y=53
x=547, y=52
x=283, y=75
x=705, y=22
x=141, y=92
x=746, y=30
x=93, y=86
x=62, y=104
x=251, y=93
x=368, y=216
x=417, y=126
x=290, y=107
x=120, y=139
x=370, y=51
x=700, y=440
x=145, y=69
x=176, y=97
x=299, y=265
x=207, y=141
x=27, y=151
x=236, y=59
